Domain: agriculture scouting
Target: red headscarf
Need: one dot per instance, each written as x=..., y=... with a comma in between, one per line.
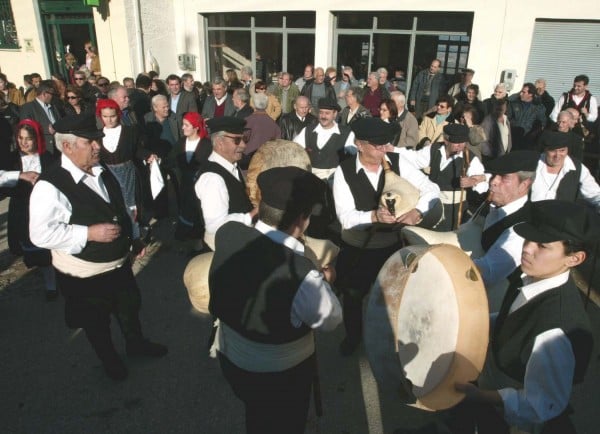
x=197, y=121
x=107, y=103
x=37, y=129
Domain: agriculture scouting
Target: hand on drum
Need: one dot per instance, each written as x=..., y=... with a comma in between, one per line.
x=383, y=215
x=411, y=218
x=474, y=393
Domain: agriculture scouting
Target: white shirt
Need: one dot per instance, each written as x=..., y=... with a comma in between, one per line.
x=110, y=141
x=214, y=197
x=505, y=254
x=592, y=115
x=31, y=163
x=323, y=135
x=9, y=178
x=550, y=368
x=345, y=206
x=190, y=148
x=546, y=184
x=422, y=159
x=174, y=101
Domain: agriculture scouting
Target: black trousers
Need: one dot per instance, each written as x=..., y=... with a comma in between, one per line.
x=276, y=402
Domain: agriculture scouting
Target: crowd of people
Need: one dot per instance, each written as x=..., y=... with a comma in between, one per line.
x=90, y=165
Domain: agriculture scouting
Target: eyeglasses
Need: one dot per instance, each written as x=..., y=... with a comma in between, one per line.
x=103, y=84
x=79, y=79
x=72, y=97
x=235, y=139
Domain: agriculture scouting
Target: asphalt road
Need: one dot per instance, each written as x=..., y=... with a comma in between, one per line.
x=51, y=381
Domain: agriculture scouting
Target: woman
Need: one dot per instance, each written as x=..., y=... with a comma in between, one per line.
x=354, y=109
x=389, y=113
x=75, y=103
x=541, y=340
x=496, y=129
x=10, y=92
x=273, y=106
x=23, y=168
x=92, y=61
x=192, y=149
x=233, y=82
x=71, y=66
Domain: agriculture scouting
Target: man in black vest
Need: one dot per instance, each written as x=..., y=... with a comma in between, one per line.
x=77, y=210
x=221, y=188
x=561, y=177
x=327, y=143
x=512, y=176
x=578, y=97
x=541, y=340
x=370, y=233
x=269, y=298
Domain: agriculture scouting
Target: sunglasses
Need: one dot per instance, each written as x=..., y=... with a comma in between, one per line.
x=236, y=139
x=72, y=97
x=79, y=79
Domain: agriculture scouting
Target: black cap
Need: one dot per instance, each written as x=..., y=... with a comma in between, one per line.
x=290, y=188
x=375, y=130
x=329, y=104
x=512, y=162
x=228, y=124
x=551, y=140
x=457, y=133
x=557, y=220
x=83, y=125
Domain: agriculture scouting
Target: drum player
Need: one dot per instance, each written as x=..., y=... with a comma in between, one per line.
x=541, y=341
x=368, y=238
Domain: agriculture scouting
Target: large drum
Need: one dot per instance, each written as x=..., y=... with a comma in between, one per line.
x=427, y=324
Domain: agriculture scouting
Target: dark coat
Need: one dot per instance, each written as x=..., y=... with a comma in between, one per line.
x=33, y=110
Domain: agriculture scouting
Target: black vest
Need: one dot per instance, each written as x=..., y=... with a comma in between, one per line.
x=253, y=282
x=88, y=208
x=333, y=151
x=568, y=101
x=491, y=234
x=568, y=189
x=365, y=197
x=238, y=198
x=449, y=178
x=514, y=334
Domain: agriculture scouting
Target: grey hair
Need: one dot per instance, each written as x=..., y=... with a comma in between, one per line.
x=541, y=80
x=60, y=138
x=246, y=70
x=501, y=86
x=113, y=91
x=260, y=101
x=242, y=94
x=376, y=74
x=382, y=70
x=566, y=113
x=219, y=81
x=399, y=95
x=526, y=174
x=157, y=98
x=215, y=136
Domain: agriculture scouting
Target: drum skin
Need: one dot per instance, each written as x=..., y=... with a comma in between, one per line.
x=195, y=279
x=427, y=324
x=274, y=153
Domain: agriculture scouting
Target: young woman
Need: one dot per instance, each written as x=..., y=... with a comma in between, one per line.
x=541, y=341
x=22, y=171
x=388, y=112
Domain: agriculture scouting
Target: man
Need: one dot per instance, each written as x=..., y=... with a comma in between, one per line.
x=260, y=128
x=221, y=187
x=399, y=80
x=218, y=104
x=103, y=86
x=292, y=123
x=120, y=95
x=44, y=112
x=240, y=99
x=367, y=237
x=318, y=88
x=543, y=95
x=78, y=211
x=180, y=101
x=139, y=100
x=32, y=91
x=426, y=88
x=500, y=93
x=565, y=123
x=383, y=79
x=342, y=86
x=271, y=304
x=247, y=78
x=459, y=90
x=354, y=109
x=558, y=176
x=188, y=83
x=327, y=143
x=409, y=132
x=308, y=75
x=512, y=175
x=128, y=83
x=89, y=91
x=527, y=117
x=580, y=98
x=432, y=125
x=452, y=171
x=286, y=92
x=374, y=94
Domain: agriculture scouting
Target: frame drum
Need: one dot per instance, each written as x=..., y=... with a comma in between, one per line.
x=427, y=324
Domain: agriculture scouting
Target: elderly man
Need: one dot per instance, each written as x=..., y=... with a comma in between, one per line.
x=327, y=143
x=308, y=76
x=240, y=99
x=318, y=88
x=44, y=112
x=247, y=77
x=367, y=229
x=426, y=88
x=286, y=92
x=565, y=123
x=543, y=95
x=375, y=92
x=221, y=188
x=218, y=104
x=558, y=176
x=77, y=210
x=500, y=93
x=120, y=95
x=354, y=110
x=271, y=303
x=578, y=97
x=342, y=86
x=383, y=79
x=453, y=170
x=260, y=128
x=459, y=90
x=527, y=117
x=409, y=133
x=292, y=123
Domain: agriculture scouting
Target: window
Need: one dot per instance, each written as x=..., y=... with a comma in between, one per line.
x=8, y=31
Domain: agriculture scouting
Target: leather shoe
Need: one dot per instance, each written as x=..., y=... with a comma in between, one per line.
x=348, y=346
x=115, y=368
x=143, y=347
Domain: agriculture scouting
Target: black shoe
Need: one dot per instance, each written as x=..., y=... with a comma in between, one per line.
x=348, y=346
x=143, y=347
x=51, y=295
x=115, y=368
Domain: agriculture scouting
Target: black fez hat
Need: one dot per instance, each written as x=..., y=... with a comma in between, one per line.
x=375, y=130
x=228, y=124
x=457, y=133
x=558, y=220
x=551, y=140
x=329, y=104
x=83, y=125
x=512, y=162
x=290, y=188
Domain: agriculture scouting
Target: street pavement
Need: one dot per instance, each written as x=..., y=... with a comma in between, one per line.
x=52, y=382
